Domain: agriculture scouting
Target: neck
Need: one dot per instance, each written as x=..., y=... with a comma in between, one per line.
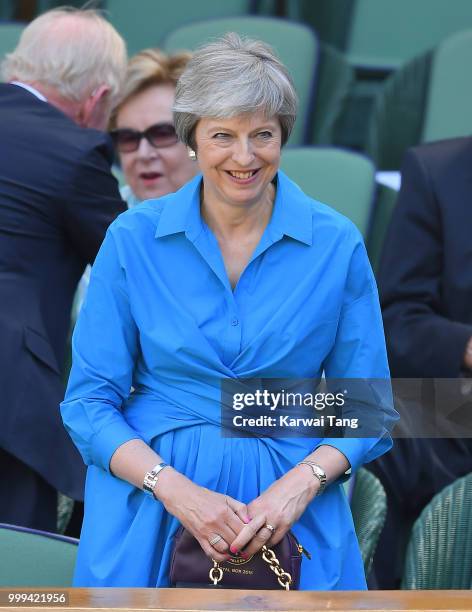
x=71, y=108
x=230, y=221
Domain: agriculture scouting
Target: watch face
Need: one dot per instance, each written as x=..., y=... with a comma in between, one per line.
x=321, y=475
x=149, y=482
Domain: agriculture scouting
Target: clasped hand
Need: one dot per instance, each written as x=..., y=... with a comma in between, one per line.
x=224, y=526
x=278, y=507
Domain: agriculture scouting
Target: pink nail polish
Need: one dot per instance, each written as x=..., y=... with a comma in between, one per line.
x=233, y=550
x=244, y=555
x=246, y=519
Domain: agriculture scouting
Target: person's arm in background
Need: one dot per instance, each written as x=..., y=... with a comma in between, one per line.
x=421, y=341
x=92, y=199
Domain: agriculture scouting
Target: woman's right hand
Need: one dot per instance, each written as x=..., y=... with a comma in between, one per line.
x=206, y=514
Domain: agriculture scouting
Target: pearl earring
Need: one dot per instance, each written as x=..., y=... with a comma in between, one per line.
x=191, y=153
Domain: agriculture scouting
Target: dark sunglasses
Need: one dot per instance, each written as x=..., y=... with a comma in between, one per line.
x=158, y=135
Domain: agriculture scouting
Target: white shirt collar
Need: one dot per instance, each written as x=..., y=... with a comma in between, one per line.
x=32, y=90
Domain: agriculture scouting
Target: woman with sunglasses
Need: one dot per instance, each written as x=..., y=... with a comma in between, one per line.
x=154, y=163
x=237, y=275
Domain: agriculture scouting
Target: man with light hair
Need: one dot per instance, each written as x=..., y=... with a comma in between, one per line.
x=57, y=198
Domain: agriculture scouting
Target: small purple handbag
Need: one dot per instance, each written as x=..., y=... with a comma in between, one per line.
x=191, y=568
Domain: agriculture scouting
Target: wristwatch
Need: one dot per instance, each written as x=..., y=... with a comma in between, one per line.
x=151, y=478
x=318, y=472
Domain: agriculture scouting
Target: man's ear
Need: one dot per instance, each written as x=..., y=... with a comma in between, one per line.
x=94, y=111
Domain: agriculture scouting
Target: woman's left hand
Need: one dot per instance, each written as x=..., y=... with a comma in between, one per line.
x=279, y=506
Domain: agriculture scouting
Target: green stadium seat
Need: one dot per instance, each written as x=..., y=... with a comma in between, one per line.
x=7, y=9
x=369, y=509
x=377, y=37
x=387, y=34
x=428, y=99
x=146, y=23
x=385, y=201
x=439, y=554
x=449, y=98
x=335, y=80
x=342, y=179
x=31, y=558
x=10, y=33
x=397, y=117
x=65, y=507
x=377, y=34
x=295, y=44
x=47, y=5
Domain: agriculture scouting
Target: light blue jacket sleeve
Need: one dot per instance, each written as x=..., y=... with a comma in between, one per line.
x=359, y=353
x=105, y=348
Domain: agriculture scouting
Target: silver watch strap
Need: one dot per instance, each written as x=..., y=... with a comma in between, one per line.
x=318, y=472
x=151, y=478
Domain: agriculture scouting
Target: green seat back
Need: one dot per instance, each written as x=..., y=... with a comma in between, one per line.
x=47, y=5
x=397, y=119
x=369, y=508
x=295, y=44
x=35, y=559
x=146, y=23
x=9, y=36
x=335, y=79
x=385, y=201
x=439, y=554
x=65, y=506
x=342, y=179
x=386, y=34
x=7, y=9
x=427, y=99
x=331, y=19
x=448, y=109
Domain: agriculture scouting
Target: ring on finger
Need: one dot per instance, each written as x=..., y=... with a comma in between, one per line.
x=215, y=540
x=270, y=527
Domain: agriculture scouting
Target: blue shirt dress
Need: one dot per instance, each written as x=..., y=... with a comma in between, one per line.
x=160, y=316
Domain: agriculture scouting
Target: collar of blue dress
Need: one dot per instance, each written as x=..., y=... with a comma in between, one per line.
x=292, y=215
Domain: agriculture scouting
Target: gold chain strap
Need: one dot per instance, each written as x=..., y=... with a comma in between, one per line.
x=283, y=578
x=216, y=573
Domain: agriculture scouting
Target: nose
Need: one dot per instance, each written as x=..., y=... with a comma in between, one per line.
x=146, y=150
x=243, y=153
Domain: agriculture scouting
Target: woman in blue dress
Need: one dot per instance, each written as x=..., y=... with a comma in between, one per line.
x=237, y=275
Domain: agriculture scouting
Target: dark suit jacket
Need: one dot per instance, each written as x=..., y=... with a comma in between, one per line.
x=425, y=283
x=425, y=277
x=57, y=197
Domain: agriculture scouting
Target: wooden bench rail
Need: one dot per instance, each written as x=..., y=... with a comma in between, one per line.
x=221, y=600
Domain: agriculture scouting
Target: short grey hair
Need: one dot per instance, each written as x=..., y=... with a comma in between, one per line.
x=233, y=76
x=71, y=50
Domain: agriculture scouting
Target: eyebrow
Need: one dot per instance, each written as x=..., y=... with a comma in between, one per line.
x=264, y=126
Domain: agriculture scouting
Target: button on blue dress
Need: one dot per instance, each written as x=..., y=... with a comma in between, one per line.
x=160, y=316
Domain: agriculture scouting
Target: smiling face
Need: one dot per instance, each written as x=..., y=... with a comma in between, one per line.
x=152, y=172
x=238, y=157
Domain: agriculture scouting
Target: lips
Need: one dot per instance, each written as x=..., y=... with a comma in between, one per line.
x=244, y=176
x=150, y=176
